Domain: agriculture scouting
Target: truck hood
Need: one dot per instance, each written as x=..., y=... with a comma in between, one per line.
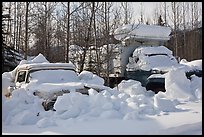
x=51, y=90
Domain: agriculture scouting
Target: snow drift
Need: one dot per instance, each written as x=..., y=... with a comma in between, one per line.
x=128, y=101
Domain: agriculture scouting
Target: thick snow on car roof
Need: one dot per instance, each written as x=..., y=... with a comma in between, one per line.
x=40, y=62
x=152, y=57
x=47, y=66
x=152, y=50
x=142, y=31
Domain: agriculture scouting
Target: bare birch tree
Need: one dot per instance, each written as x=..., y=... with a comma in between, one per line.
x=26, y=31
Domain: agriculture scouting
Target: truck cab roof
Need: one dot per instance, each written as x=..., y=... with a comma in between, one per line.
x=41, y=66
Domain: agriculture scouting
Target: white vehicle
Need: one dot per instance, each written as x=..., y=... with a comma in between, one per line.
x=50, y=80
x=152, y=58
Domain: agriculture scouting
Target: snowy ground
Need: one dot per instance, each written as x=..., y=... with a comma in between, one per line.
x=188, y=122
x=128, y=109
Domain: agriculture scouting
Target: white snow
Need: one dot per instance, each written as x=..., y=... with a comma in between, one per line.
x=89, y=77
x=152, y=58
x=176, y=83
x=195, y=64
x=152, y=50
x=159, y=58
x=38, y=59
x=142, y=31
x=128, y=109
x=8, y=78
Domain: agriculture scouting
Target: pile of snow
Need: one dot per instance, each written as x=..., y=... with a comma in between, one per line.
x=162, y=102
x=178, y=86
x=131, y=87
x=128, y=101
x=38, y=59
x=90, y=78
x=152, y=58
x=194, y=65
x=7, y=80
x=142, y=31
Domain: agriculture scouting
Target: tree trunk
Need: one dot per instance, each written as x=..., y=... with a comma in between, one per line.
x=68, y=32
x=26, y=33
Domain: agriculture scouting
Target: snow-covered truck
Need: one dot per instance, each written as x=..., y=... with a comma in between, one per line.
x=142, y=56
x=148, y=61
x=132, y=37
x=49, y=80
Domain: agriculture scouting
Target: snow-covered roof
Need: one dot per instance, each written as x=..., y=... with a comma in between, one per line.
x=40, y=62
x=152, y=50
x=142, y=32
x=47, y=66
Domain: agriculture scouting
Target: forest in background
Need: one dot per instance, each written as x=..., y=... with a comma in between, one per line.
x=30, y=28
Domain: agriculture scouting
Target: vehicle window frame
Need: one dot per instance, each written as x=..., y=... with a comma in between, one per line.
x=23, y=80
x=35, y=70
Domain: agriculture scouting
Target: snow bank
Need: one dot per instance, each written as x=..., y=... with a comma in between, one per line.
x=7, y=80
x=104, y=105
x=128, y=101
x=21, y=108
x=142, y=31
x=195, y=64
x=131, y=101
x=178, y=86
x=90, y=78
x=131, y=87
x=163, y=103
x=196, y=86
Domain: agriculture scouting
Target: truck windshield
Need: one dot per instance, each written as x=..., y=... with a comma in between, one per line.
x=53, y=76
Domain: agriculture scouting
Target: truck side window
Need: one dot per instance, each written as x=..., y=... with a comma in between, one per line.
x=136, y=60
x=21, y=76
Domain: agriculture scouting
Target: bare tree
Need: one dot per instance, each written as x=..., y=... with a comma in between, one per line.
x=44, y=28
x=165, y=13
x=69, y=12
x=19, y=26
x=68, y=30
x=176, y=18
x=9, y=26
x=26, y=31
x=127, y=12
x=141, y=14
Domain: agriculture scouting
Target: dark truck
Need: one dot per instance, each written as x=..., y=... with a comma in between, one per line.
x=149, y=64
